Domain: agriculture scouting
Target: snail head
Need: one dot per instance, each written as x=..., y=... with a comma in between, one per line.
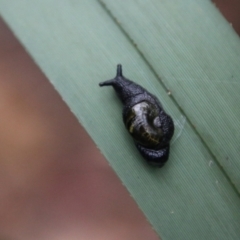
x=125, y=88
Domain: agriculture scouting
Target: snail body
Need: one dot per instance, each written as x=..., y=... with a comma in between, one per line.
x=144, y=118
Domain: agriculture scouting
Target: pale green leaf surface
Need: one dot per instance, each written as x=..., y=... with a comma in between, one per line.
x=196, y=53
x=77, y=44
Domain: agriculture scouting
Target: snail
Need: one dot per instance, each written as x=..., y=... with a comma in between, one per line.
x=144, y=118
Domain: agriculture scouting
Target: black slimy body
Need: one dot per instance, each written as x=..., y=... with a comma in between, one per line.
x=144, y=118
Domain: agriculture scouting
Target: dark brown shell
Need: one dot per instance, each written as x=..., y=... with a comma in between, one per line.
x=142, y=123
x=144, y=118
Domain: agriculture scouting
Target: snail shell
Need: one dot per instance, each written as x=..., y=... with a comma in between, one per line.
x=144, y=118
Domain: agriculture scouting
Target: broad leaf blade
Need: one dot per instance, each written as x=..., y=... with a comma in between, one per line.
x=196, y=53
x=77, y=44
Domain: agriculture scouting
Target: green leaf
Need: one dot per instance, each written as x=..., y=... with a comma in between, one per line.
x=184, y=46
x=196, y=54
